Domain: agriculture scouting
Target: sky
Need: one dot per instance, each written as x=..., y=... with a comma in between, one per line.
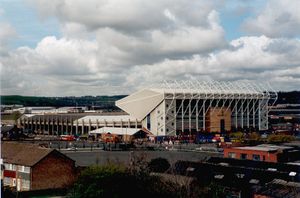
x=114, y=47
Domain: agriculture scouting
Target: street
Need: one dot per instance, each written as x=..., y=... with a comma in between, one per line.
x=86, y=157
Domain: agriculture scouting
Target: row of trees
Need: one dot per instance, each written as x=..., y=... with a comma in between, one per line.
x=107, y=102
x=256, y=138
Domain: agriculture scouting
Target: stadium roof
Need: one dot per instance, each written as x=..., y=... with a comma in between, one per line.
x=140, y=103
x=212, y=87
x=106, y=118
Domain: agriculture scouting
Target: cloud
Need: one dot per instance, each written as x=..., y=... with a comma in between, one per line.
x=127, y=15
x=251, y=58
x=59, y=67
x=161, y=27
x=279, y=18
x=81, y=67
x=115, y=47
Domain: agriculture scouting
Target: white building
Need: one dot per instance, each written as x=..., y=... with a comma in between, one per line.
x=190, y=106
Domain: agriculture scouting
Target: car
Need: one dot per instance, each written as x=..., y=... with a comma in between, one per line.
x=67, y=137
x=72, y=148
x=264, y=135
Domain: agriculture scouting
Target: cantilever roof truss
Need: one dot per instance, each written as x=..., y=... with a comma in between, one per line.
x=215, y=89
x=143, y=102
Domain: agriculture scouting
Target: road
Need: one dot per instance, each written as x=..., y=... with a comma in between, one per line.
x=89, y=153
x=85, y=157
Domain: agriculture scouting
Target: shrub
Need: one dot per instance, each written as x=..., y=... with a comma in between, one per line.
x=99, y=181
x=159, y=165
x=117, y=181
x=254, y=136
x=280, y=138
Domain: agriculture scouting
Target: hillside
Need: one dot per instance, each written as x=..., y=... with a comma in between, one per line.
x=105, y=101
x=97, y=101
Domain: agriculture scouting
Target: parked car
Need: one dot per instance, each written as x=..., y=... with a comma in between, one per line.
x=72, y=148
x=67, y=137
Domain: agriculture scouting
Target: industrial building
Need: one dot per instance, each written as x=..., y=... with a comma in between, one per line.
x=187, y=107
x=53, y=124
x=263, y=152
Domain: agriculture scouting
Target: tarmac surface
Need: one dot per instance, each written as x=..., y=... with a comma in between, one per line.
x=86, y=157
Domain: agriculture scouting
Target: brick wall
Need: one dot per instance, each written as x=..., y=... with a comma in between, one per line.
x=264, y=155
x=213, y=119
x=54, y=171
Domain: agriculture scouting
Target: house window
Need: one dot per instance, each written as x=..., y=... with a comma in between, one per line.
x=25, y=184
x=231, y=155
x=148, y=120
x=26, y=169
x=264, y=158
x=256, y=157
x=243, y=156
x=7, y=166
x=10, y=167
x=172, y=123
x=6, y=181
x=158, y=111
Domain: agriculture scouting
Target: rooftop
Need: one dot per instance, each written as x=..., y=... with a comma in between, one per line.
x=23, y=154
x=219, y=87
x=107, y=118
x=116, y=130
x=264, y=147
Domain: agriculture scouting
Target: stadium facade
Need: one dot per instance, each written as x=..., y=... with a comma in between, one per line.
x=177, y=107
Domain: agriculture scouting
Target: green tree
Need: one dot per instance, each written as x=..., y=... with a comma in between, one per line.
x=280, y=138
x=117, y=181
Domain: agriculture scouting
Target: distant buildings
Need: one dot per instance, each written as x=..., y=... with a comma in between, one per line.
x=122, y=134
x=56, y=124
x=28, y=167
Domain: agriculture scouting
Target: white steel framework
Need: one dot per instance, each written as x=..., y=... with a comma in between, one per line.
x=183, y=105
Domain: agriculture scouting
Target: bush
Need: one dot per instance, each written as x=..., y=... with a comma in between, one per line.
x=280, y=138
x=99, y=181
x=117, y=181
x=254, y=136
x=237, y=136
x=159, y=165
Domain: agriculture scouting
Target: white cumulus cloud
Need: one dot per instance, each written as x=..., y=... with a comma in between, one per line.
x=280, y=18
x=114, y=47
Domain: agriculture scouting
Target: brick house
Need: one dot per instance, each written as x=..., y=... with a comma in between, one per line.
x=264, y=152
x=28, y=167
